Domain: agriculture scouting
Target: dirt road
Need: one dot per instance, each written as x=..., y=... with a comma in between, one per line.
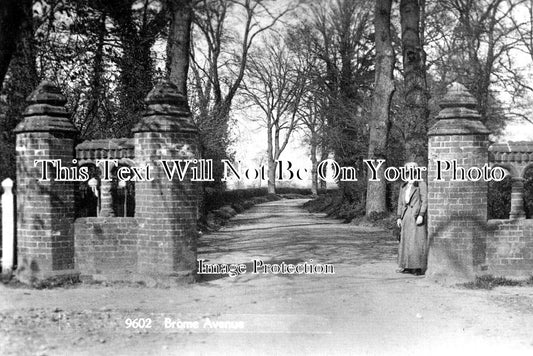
x=364, y=308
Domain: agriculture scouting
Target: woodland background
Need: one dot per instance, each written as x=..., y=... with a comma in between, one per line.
x=356, y=79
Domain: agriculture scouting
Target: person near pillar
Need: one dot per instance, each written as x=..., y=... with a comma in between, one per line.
x=412, y=207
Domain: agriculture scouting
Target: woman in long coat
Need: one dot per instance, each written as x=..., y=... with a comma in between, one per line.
x=412, y=207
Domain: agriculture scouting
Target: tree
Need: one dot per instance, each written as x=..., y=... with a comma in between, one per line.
x=22, y=75
x=345, y=45
x=95, y=118
x=137, y=29
x=17, y=58
x=312, y=119
x=11, y=18
x=415, y=86
x=275, y=83
x=381, y=102
x=178, y=42
x=219, y=59
x=339, y=36
x=314, y=105
x=475, y=43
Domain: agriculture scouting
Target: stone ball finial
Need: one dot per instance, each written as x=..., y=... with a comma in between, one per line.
x=458, y=96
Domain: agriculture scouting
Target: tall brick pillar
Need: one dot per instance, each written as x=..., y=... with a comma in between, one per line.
x=167, y=210
x=45, y=209
x=457, y=211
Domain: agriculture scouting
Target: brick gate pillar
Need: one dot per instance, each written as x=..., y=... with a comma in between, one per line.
x=166, y=209
x=457, y=211
x=45, y=209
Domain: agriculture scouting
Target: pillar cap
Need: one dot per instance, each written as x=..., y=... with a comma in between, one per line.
x=458, y=115
x=46, y=111
x=167, y=110
x=7, y=183
x=458, y=96
x=47, y=93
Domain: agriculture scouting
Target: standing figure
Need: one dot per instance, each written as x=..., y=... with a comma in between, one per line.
x=412, y=207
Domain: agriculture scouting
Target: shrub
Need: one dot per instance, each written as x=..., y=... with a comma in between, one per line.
x=499, y=199
x=333, y=204
x=375, y=216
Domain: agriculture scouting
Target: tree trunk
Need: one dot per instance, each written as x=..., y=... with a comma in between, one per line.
x=271, y=159
x=22, y=79
x=91, y=124
x=414, y=73
x=323, y=156
x=23, y=76
x=271, y=176
x=178, y=42
x=380, y=125
x=314, y=164
x=11, y=15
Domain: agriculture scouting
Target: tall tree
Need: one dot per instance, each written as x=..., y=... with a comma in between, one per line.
x=91, y=123
x=339, y=35
x=381, y=102
x=178, y=43
x=313, y=107
x=415, y=86
x=349, y=74
x=312, y=117
x=224, y=33
x=275, y=83
x=11, y=18
x=476, y=43
x=20, y=81
x=137, y=28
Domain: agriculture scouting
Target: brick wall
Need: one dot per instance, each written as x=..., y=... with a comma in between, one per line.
x=160, y=240
x=106, y=246
x=462, y=242
x=45, y=210
x=509, y=247
x=166, y=209
x=457, y=211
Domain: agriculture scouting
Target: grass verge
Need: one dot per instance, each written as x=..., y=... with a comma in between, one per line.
x=489, y=282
